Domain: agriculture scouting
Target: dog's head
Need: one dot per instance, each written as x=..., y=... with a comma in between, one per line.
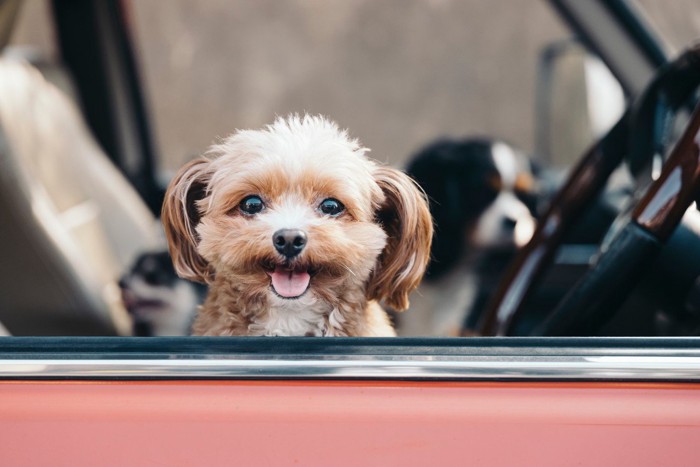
x=159, y=302
x=296, y=209
x=482, y=196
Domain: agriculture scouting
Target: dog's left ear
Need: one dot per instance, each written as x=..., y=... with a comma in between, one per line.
x=180, y=216
x=405, y=217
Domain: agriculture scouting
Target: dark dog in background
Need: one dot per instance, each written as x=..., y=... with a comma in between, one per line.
x=483, y=196
x=159, y=302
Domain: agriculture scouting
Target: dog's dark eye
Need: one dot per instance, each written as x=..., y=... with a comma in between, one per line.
x=153, y=278
x=252, y=205
x=331, y=206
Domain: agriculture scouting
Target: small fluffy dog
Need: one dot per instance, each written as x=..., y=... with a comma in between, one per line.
x=482, y=196
x=297, y=233
x=159, y=302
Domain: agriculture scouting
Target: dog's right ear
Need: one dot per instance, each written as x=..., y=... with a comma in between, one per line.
x=180, y=216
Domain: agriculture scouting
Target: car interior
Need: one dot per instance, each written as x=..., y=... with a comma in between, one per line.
x=616, y=250
x=72, y=221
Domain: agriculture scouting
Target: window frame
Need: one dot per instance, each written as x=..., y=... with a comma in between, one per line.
x=306, y=358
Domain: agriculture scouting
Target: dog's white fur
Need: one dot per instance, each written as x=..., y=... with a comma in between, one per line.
x=489, y=230
x=376, y=249
x=171, y=311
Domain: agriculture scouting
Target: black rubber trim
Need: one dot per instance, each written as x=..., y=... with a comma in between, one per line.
x=304, y=347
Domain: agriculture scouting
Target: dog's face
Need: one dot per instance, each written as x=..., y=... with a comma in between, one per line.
x=481, y=194
x=507, y=220
x=159, y=302
x=297, y=213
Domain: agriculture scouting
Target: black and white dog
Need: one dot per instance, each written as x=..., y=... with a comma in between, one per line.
x=159, y=302
x=483, y=196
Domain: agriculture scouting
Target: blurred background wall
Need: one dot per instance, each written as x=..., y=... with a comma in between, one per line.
x=397, y=73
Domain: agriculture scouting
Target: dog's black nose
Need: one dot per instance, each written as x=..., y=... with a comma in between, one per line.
x=509, y=224
x=289, y=242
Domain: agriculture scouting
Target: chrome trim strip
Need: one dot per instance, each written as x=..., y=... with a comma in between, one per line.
x=597, y=368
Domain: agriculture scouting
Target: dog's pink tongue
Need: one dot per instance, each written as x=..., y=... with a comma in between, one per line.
x=289, y=284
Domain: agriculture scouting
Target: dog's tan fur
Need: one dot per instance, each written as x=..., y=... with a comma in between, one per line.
x=376, y=250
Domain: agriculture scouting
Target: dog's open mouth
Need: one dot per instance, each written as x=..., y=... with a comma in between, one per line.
x=133, y=303
x=289, y=282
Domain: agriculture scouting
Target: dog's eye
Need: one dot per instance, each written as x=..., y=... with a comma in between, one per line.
x=331, y=206
x=252, y=205
x=153, y=278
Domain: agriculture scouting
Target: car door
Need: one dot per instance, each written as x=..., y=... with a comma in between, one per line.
x=311, y=401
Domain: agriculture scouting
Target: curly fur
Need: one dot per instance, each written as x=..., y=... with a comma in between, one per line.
x=376, y=250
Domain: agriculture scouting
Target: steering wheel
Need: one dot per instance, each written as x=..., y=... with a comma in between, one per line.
x=636, y=236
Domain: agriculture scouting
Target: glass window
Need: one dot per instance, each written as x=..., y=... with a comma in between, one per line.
x=398, y=74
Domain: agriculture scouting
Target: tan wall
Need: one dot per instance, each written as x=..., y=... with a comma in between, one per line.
x=396, y=72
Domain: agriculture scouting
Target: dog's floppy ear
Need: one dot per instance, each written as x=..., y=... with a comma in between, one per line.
x=405, y=217
x=180, y=216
